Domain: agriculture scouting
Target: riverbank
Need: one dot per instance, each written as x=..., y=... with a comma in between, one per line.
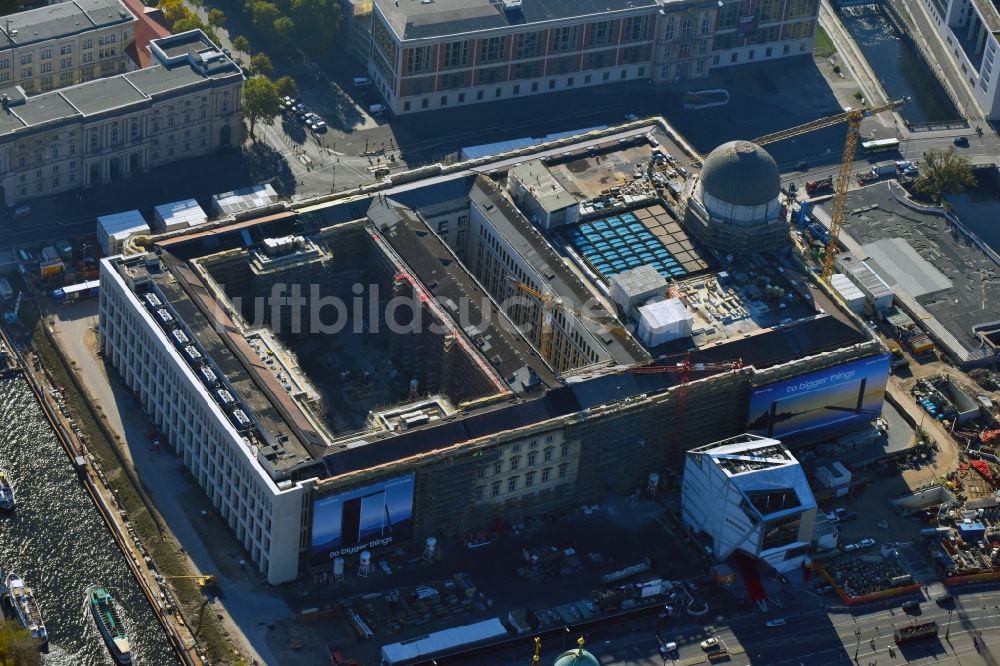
x=159, y=554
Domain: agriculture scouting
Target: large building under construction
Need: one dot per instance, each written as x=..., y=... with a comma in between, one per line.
x=443, y=356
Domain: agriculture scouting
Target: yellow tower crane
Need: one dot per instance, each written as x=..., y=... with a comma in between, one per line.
x=550, y=302
x=853, y=119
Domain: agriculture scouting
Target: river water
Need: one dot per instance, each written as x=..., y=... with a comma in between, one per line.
x=979, y=210
x=59, y=545
x=902, y=70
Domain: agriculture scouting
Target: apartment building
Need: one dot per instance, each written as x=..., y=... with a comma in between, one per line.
x=186, y=104
x=432, y=55
x=64, y=44
x=970, y=28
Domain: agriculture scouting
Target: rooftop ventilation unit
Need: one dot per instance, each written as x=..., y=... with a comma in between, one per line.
x=192, y=353
x=225, y=397
x=208, y=375
x=152, y=300
x=180, y=338
x=511, y=5
x=164, y=316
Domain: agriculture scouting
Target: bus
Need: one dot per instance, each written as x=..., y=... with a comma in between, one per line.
x=880, y=146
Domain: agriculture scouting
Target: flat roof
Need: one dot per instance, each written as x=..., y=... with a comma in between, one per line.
x=436, y=266
x=902, y=264
x=974, y=295
x=61, y=20
x=413, y=19
x=122, y=224
x=538, y=253
x=101, y=95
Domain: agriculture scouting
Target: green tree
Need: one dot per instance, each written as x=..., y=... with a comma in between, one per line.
x=287, y=87
x=173, y=11
x=263, y=15
x=17, y=648
x=944, y=172
x=216, y=18
x=284, y=28
x=260, y=102
x=317, y=20
x=241, y=43
x=261, y=64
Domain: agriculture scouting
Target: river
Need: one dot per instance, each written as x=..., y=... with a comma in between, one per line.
x=59, y=545
x=898, y=65
x=978, y=209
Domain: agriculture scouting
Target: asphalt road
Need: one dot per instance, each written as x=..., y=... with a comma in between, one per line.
x=812, y=636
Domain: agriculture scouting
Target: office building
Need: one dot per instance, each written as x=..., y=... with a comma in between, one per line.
x=748, y=494
x=432, y=55
x=186, y=104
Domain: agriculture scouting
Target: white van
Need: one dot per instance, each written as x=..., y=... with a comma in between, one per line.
x=376, y=109
x=668, y=648
x=362, y=81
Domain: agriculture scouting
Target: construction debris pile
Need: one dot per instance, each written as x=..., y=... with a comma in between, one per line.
x=973, y=546
x=548, y=562
x=860, y=576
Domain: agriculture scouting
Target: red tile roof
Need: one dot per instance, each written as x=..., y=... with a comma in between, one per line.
x=148, y=27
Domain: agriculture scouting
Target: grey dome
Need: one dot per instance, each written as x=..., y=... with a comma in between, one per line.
x=742, y=174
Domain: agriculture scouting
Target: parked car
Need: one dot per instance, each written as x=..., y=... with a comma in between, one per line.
x=866, y=543
x=961, y=141
x=710, y=644
x=776, y=622
x=376, y=109
x=668, y=648
x=832, y=517
x=851, y=547
x=824, y=589
x=361, y=81
x=21, y=211
x=911, y=606
x=318, y=126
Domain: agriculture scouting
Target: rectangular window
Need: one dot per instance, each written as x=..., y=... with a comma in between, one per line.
x=528, y=70
x=65, y=49
x=600, y=33
x=25, y=72
x=495, y=489
x=563, y=469
x=65, y=63
x=527, y=45
x=636, y=29
x=46, y=54
x=456, y=54
x=529, y=479
x=564, y=39
x=546, y=473
x=491, y=49
x=512, y=484
x=418, y=59
x=88, y=43
x=4, y=64
x=406, y=106
x=45, y=67
x=25, y=58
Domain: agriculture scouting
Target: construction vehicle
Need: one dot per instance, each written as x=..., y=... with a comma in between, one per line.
x=814, y=187
x=915, y=632
x=853, y=119
x=203, y=581
x=10, y=318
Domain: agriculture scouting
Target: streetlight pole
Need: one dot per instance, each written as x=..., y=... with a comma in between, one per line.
x=857, y=643
x=947, y=631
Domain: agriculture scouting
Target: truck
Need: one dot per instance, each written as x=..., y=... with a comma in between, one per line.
x=920, y=344
x=915, y=632
x=814, y=187
x=885, y=168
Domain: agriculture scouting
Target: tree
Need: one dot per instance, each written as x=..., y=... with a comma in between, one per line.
x=241, y=43
x=261, y=64
x=287, y=87
x=260, y=102
x=317, y=20
x=263, y=15
x=944, y=172
x=173, y=11
x=284, y=28
x=216, y=18
x=17, y=647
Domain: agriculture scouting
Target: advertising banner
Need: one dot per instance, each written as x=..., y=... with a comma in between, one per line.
x=747, y=25
x=849, y=394
x=363, y=518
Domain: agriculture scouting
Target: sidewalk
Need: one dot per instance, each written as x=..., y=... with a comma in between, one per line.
x=245, y=607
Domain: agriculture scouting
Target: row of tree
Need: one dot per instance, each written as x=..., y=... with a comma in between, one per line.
x=179, y=18
x=308, y=24
x=17, y=647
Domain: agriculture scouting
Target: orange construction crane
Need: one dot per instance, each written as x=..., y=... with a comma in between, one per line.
x=684, y=369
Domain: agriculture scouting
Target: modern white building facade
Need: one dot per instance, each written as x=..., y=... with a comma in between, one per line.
x=970, y=29
x=748, y=494
x=266, y=513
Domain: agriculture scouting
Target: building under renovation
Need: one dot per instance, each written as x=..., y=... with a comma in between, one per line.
x=435, y=358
